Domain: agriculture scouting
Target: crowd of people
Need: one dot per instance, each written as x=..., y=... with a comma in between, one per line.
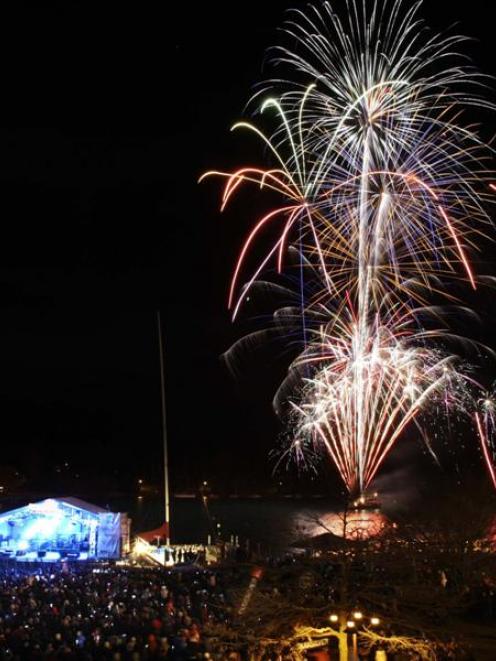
x=106, y=612
x=123, y=613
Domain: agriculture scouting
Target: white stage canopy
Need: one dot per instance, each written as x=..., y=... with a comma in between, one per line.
x=62, y=529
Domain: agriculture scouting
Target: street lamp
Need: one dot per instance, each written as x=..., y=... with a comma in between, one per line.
x=347, y=627
x=351, y=628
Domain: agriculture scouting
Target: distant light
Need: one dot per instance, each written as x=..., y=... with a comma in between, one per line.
x=334, y=617
x=350, y=624
x=358, y=615
x=375, y=621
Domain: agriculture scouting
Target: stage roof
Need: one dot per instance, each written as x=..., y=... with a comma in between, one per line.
x=78, y=503
x=82, y=504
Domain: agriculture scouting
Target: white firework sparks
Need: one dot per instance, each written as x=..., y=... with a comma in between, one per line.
x=384, y=193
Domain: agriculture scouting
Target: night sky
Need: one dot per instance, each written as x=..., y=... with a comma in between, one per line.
x=110, y=112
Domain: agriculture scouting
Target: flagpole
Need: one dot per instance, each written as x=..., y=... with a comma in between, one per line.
x=164, y=430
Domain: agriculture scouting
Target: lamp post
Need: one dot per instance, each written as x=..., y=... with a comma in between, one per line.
x=346, y=625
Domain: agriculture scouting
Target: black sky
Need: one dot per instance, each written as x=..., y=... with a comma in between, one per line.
x=109, y=113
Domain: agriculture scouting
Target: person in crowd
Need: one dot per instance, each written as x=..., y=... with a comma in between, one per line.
x=109, y=613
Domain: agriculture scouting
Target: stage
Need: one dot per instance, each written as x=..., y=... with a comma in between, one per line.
x=62, y=529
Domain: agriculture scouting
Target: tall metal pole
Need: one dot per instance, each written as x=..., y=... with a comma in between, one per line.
x=164, y=431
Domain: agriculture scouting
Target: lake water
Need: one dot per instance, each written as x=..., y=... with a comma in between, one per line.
x=272, y=522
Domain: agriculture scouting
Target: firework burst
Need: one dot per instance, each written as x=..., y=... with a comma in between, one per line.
x=383, y=193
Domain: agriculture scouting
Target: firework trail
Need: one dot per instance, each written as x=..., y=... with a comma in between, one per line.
x=383, y=193
x=485, y=420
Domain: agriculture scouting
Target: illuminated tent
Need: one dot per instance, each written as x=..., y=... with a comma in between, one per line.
x=62, y=529
x=157, y=535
